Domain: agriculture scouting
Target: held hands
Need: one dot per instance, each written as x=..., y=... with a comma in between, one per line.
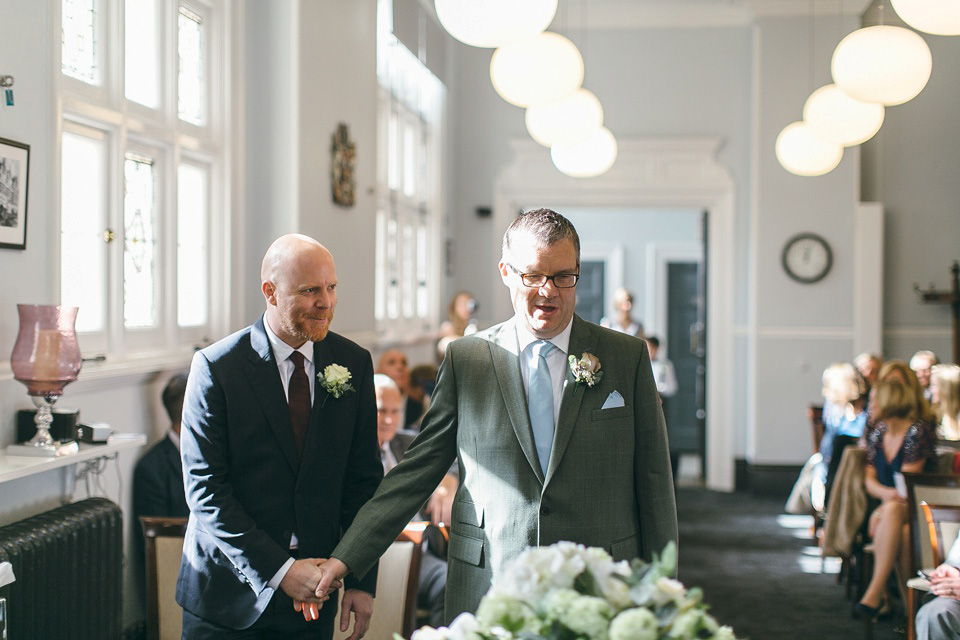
x=300, y=583
x=331, y=573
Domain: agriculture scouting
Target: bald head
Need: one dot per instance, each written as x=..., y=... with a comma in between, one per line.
x=299, y=284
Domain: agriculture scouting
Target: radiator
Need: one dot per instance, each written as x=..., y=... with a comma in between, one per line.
x=68, y=567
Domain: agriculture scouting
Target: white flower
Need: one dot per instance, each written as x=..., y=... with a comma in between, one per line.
x=586, y=370
x=589, y=616
x=429, y=633
x=464, y=627
x=335, y=379
x=558, y=603
x=634, y=624
x=724, y=633
x=669, y=590
x=500, y=610
x=686, y=624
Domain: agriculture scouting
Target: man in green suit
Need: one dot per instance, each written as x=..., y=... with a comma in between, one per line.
x=543, y=456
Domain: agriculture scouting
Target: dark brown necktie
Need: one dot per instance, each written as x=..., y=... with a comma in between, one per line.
x=298, y=397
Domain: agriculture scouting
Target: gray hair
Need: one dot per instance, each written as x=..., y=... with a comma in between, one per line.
x=383, y=381
x=546, y=226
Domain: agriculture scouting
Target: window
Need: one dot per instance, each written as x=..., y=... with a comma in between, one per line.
x=140, y=157
x=411, y=105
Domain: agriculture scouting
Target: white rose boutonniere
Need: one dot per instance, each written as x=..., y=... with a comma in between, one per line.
x=586, y=370
x=335, y=380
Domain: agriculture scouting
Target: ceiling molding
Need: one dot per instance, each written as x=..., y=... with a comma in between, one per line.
x=691, y=14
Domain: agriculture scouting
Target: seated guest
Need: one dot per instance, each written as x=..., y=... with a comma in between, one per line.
x=393, y=444
x=158, y=476
x=393, y=362
x=921, y=363
x=945, y=391
x=663, y=372
x=868, y=364
x=899, y=443
x=460, y=321
x=900, y=371
x=844, y=418
x=939, y=618
x=423, y=379
x=622, y=319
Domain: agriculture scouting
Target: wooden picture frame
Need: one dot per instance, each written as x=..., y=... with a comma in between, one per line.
x=14, y=181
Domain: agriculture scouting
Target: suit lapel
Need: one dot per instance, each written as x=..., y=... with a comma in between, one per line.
x=582, y=338
x=504, y=350
x=322, y=357
x=267, y=387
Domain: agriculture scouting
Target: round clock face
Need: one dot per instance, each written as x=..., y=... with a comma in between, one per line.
x=807, y=258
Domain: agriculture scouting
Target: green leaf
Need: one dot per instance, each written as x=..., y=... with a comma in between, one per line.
x=586, y=584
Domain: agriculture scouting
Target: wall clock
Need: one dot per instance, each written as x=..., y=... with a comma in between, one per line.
x=806, y=258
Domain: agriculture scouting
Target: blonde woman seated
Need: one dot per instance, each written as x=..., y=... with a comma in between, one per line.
x=900, y=442
x=900, y=371
x=945, y=389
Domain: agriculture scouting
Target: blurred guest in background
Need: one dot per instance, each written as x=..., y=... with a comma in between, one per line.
x=460, y=321
x=393, y=362
x=868, y=364
x=423, y=379
x=622, y=319
x=921, y=362
x=900, y=371
x=663, y=372
x=945, y=389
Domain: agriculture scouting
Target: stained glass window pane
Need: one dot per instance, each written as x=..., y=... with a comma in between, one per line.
x=423, y=301
x=392, y=270
x=193, y=246
x=82, y=214
x=409, y=274
x=139, y=244
x=379, y=295
x=78, y=38
x=393, y=152
x=410, y=171
x=191, y=95
x=142, y=56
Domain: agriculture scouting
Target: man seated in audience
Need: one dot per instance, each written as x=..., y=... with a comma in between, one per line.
x=393, y=444
x=939, y=619
x=868, y=364
x=394, y=363
x=921, y=363
x=158, y=476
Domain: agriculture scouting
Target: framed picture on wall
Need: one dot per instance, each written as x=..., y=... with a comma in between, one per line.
x=14, y=177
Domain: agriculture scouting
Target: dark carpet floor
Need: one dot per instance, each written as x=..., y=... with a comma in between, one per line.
x=760, y=571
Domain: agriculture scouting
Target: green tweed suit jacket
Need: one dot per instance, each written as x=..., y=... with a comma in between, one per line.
x=608, y=483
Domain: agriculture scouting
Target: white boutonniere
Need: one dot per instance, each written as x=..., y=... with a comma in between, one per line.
x=586, y=370
x=335, y=380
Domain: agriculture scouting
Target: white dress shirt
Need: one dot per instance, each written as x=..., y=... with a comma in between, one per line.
x=281, y=353
x=556, y=360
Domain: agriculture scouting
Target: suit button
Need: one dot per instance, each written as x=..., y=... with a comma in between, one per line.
x=546, y=510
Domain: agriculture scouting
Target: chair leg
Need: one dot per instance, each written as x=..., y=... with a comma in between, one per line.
x=913, y=605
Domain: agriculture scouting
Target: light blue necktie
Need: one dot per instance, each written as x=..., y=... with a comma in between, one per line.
x=540, y=401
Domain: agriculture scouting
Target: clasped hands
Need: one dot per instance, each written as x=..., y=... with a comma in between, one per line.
x=945, y=581
x=311, y=581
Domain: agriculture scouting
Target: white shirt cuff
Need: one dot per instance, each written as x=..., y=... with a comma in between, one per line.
x=278, y=576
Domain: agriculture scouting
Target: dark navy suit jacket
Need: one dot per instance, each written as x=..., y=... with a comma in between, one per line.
x=248, y=492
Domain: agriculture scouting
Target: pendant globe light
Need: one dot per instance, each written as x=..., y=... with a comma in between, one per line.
x=835, y=117
x=586, y=158
x=801, y=152
x=494, y=23
x=537, y=71
x=883, y=64
x=568, y=120
x=938, y=17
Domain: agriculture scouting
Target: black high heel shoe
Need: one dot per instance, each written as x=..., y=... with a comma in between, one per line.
x=865, y=612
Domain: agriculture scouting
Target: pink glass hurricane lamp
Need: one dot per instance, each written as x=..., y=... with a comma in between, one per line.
x=46, y=357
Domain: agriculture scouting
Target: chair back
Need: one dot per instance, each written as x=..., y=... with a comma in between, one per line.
x=934, y=489
x=398, y=578
x=815, y=416
x=943, y=523
x=163, y=538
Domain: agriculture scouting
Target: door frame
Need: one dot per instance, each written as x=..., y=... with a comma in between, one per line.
x=672, y=172
x=613, y=266
x=659, y=256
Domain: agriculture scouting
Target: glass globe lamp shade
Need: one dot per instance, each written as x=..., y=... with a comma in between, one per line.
x=801, y=152
x=538, y=71
x=938, y=17
x=494, y=23
x=586, y=158
x=568, y=120
x=835, y=117
x=883, y=64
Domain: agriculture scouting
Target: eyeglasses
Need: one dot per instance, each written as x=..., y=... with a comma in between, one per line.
x=537, y=280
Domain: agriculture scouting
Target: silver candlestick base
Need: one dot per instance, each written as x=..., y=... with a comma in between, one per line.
x=42, y=444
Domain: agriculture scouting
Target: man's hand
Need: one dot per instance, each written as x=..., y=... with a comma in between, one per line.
x=300, y=581
x=947, y=587
x=441, y=502
x=945, y=571
x=361, y=604
x=332, y=571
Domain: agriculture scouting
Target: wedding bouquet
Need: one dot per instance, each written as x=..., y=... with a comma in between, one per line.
x=570, y=592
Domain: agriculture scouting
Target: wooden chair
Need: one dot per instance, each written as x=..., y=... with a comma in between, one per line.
x=163, y=538
x=815, y=416
x=942, y=491
x=398, y=577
